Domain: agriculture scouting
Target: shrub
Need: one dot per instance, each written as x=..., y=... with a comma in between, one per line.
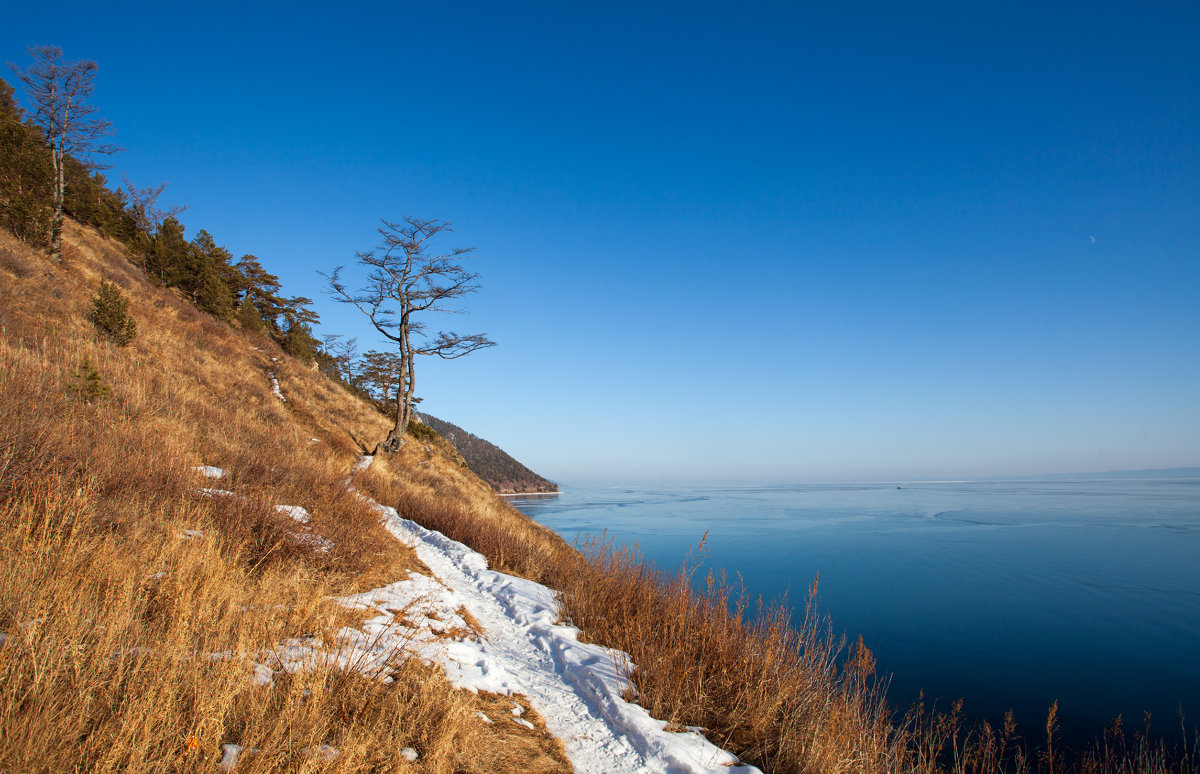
x=249, y=318
x=87, y=383
x=10, y=261
x=110, y=314
x=422, y=431
x=28, y=218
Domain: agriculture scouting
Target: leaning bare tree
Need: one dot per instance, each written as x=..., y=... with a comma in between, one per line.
x=405, y=281
x=58, y=91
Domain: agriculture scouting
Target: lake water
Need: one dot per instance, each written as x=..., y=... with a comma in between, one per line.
x=1010, y=595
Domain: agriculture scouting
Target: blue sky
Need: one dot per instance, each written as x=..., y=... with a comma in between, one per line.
x=721, y=242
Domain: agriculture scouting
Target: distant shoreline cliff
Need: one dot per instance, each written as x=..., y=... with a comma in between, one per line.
x=491, y=463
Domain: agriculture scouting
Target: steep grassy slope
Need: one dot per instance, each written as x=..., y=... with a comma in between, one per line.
x=135, y=606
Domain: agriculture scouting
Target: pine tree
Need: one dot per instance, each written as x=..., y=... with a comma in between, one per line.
x=249, y=318
x=168, y=253
x=214, y=296
x=262, y=289
x=110, y=314
x=298, y=340
x=26, y=175
x=87, y=382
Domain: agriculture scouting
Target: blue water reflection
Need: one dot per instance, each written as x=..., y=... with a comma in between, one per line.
x=1011, y=595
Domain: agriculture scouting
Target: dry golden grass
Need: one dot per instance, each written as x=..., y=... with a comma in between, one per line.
x=129, y=644
x=774, y=690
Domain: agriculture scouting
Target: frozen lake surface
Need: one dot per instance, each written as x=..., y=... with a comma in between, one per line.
x=1007, y=594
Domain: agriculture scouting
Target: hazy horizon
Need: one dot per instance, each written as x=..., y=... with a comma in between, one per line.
x=1181, y=473
x=717, y=243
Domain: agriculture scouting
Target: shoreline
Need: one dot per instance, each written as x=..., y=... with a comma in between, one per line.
x=525, y=494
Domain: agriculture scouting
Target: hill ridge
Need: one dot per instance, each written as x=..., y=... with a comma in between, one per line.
x=498, y=468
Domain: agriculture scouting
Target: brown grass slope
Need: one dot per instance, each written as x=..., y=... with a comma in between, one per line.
x=129, y=646
x=111, y=619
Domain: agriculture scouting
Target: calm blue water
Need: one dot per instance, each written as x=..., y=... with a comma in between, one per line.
x=1010, y=595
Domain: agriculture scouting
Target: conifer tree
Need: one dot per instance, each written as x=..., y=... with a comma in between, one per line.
x=26, y=176
x=168, y=252
x=110, y=314
x=249, y=318
x=211, y=278
x=214, y=296
x=87, y=383
x=298, y=340
x=262, y=289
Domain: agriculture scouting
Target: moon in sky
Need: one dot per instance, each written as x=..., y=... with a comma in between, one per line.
x=1093, y=239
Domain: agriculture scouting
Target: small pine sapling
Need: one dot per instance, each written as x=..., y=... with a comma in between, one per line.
x=249, y=318
x=110, y=314
x=87, y=383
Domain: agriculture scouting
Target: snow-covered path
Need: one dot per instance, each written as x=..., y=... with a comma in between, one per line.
x=576, y=687
x=498, y=633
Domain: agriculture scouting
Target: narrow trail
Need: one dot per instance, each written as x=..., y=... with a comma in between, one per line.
x=275, y=381
x=575, y=687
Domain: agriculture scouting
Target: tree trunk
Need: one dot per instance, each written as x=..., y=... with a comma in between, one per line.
x=404, y=392
x=57, y=222
x=395, y=439
x=59, y=152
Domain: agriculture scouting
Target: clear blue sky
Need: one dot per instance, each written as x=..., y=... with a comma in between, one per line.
x=725, y=242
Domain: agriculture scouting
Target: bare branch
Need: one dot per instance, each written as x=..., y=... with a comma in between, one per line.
x=450, y=346
x=404, y=281
x=143, y=206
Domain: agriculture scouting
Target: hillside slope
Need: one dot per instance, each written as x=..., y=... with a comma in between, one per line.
x=197, y=573
x=488, y=461
x=135, y=602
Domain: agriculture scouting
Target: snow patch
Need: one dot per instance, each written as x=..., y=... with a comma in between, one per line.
x=275, y=385
x=263, y=675
x=576, y=687
x=323, y=751
x=209, y=471
x=316, y=542
x=296, y=512
x=229, y=756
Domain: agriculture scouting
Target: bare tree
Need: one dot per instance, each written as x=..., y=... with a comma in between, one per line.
x=143, y=206
x=405, y=281
x=58, y=90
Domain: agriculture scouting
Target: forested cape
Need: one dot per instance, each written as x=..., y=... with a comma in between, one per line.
x=240, y=292
x=237, y=291
x=490, y=462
